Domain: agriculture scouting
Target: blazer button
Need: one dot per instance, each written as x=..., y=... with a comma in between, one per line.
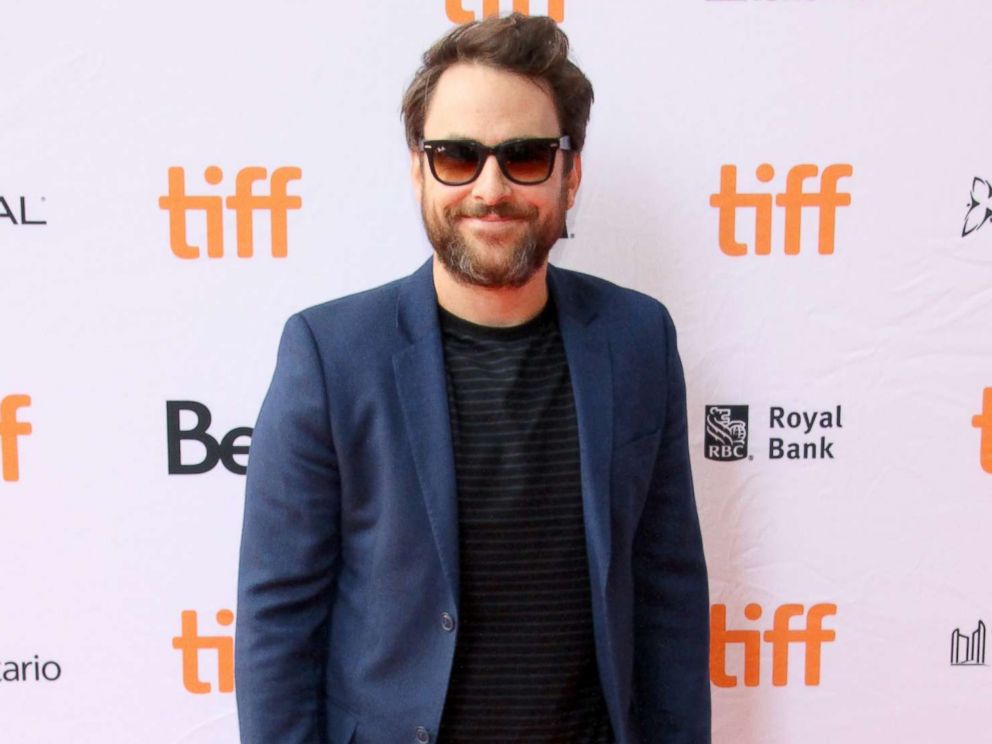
x=423, y=735
x=447, y=622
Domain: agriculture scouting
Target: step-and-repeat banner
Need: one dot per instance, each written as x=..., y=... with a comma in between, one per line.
x=806, y=184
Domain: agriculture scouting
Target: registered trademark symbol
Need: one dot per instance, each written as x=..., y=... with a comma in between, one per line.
x=571, y=235
x=750, y=457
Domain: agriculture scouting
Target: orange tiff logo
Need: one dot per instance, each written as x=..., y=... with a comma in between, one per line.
x=781, y=637
x=10, y=430
x=458, y=14
x=190, y=643
x=244, y=203
x=983, y=422
x=793, y=200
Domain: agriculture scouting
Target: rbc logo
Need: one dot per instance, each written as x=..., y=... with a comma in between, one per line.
x=190, y=643
x=726, y=433
x=457, y=13
x=10, y=430
x=223, y=451
x=244, y=203
x=793, y=200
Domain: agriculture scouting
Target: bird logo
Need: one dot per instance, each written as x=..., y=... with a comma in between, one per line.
x=980, y=210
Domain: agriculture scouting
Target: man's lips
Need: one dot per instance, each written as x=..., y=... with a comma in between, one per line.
x=494, y=218
x=492, y=224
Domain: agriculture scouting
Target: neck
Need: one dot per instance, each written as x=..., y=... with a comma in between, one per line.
x=491, y=306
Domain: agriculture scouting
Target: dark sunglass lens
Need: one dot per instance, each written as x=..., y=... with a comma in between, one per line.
x=528, y=162
x=455, y=162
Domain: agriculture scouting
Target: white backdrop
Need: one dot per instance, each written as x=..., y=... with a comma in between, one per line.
x=102, y=324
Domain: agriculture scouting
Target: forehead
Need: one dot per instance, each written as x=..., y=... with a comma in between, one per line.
x=482, y=103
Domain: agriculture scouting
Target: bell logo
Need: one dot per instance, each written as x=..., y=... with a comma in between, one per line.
x=222, y=451
x=191, y=643
x=983, y=422
x=781, y=636
x=458, y=14
x=244, y=203
x=793, y=200
x=10, y=430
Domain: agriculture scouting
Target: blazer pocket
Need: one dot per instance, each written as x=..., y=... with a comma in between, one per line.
x=341, y=724
x=637, y=441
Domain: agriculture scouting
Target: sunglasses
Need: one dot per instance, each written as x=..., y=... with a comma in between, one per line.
x=523, y=161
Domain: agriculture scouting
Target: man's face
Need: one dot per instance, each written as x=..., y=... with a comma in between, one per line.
x=492, y=232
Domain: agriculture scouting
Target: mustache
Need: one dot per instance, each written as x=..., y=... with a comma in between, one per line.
x=505, y=211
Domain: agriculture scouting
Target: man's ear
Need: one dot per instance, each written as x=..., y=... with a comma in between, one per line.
x=573, y=179
x=417, y=176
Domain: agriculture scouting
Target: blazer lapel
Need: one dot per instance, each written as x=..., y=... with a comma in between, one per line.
x=420, y=380
x=587, y=349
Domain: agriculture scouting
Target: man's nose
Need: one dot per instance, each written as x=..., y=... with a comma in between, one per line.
x=491, y=187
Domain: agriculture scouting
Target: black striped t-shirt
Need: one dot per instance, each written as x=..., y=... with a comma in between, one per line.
x=525, y=666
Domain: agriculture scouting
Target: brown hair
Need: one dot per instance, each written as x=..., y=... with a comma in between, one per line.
x=530, y=46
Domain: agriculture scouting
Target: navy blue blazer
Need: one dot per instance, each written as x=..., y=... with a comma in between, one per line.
x=349, y=555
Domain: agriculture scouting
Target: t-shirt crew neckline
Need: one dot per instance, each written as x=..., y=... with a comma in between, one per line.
x=452, y=322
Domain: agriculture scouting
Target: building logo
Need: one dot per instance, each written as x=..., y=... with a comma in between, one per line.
x=983, y=422
x=191, y=644
x=726, y=433
x=457, y=13
x=34, y=670
x=781, y=636
x=968, y=650
x=244, y=203
x=20, y=215
x=222, y=451
x=10, y=430
x=980, y=209
x=826, y=200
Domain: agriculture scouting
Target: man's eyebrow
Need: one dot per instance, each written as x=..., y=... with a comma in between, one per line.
x=467, y=138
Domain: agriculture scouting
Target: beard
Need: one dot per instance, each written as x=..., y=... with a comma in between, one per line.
x=494, y=262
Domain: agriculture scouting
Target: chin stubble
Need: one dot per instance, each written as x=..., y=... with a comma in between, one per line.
x=525, y=256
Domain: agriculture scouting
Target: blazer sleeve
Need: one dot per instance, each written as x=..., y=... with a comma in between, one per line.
x=671, y=593
x=289, y=552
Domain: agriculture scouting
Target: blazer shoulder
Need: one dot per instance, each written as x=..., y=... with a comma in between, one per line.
x=379, y=317
x=612, y=302
x=364, y=307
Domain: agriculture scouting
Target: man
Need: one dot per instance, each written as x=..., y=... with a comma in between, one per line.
x=469, y=514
